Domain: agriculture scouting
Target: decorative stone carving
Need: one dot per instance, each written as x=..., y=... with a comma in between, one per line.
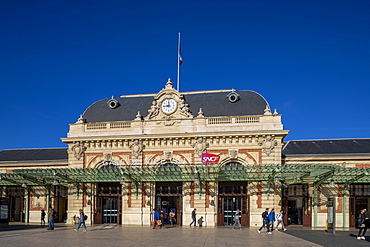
x=78, y=150
x=137, y=148
x=168, y=156
x=107, y=157
x=168, y=103
x=268, y=144
x=200, y=146
x=184, y=108
x=233, y=154
x=80, y=120
x=153, y=111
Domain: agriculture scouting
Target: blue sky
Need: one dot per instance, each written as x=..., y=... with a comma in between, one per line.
x=309, y=59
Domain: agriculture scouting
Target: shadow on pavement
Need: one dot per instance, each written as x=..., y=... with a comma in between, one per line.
x=22, y=226
x=321, y=237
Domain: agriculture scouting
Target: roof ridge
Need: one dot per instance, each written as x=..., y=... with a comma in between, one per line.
x=334, y=139
x=32, y=149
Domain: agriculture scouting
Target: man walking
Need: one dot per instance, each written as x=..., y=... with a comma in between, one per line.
x=194, y=217
x=237, y=219
x=272, y=218
x=279, y=219
x=265, y=221
x=52, y=214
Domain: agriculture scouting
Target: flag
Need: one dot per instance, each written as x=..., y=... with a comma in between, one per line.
x=180, y=57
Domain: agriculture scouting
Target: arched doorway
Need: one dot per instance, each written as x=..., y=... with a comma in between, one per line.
x=232, y=195
x=108, y=201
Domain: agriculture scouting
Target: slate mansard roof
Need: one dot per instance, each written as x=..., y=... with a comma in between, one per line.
x=213, y=104
x=327, y=147
x=36, y=154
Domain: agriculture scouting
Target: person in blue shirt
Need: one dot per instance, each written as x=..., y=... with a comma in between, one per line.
x=272, y=218
x=156, y=219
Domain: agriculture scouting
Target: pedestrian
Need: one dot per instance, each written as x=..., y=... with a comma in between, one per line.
x=237, y=219
x=272, y=218
x=156, y=219
x=43, y=214
x=162, y=216
x=279, y=218
x=367, y=221
x=194, y=217
x=200, y=221
x=82, y=220
x=361, y=224
x=172, y=217
x=52, y=214
x=265, y=221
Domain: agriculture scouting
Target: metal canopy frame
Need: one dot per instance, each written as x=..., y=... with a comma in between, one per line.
x=285, y=173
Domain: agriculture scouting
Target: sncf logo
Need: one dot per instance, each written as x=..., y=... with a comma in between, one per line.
x=210, y=158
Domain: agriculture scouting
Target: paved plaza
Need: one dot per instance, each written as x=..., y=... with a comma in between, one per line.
x=118, y=235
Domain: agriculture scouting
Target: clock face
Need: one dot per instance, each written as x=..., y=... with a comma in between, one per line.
x=169, y=106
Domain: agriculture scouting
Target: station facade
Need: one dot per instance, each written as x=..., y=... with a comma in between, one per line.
x=216, y=151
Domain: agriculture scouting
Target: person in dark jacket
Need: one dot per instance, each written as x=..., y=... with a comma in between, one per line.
x=265, y=221
x=43, y=214
x=194, y=217
x=361, y=224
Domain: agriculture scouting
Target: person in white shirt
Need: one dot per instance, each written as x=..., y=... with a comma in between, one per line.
x=279, y=219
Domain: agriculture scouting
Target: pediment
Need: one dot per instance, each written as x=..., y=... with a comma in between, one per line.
x=168, y=104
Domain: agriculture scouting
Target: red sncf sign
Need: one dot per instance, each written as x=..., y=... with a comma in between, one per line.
x=210, y=158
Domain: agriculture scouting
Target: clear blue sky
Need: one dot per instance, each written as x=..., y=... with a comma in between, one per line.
x=309, y=59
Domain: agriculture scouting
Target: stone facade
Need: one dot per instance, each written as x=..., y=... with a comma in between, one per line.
x=170, y=133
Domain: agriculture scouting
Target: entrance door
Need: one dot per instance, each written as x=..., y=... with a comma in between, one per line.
x=16, y=203
x=232, y=196
x=307, y=211
x=297, y=205
x=169, y=197
x=108, y=204
x=230, y=205
x=110, y=210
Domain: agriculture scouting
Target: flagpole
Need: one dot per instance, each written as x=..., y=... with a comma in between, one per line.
x=178, y=63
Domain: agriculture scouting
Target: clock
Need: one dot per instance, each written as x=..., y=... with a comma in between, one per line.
x=169, y=106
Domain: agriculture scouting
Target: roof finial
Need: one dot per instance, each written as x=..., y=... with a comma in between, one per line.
x=169, y=83
x=200, y=113
x=138, y=116
x=267, y=110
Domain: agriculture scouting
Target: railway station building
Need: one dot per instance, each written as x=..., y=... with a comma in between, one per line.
x=216, y=151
